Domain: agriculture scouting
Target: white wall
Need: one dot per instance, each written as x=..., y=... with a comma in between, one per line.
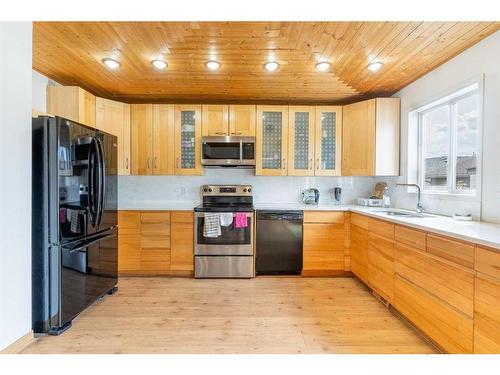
x=483, y=58
x=39, y=91
x=15, y=193
x=148, y=190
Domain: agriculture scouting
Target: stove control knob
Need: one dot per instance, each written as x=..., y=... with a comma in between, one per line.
x=249, y=190
x=210, y=190
x=245, y=190
x=205, y=190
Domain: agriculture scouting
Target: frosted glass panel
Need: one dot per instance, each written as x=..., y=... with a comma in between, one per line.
x=301, y=141
x=328, y=120
x=188, y=154
x=272, y=124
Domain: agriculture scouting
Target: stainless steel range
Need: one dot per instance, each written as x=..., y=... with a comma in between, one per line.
x=223, y=232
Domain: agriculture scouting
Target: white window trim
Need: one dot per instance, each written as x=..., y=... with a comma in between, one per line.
x=414, y=157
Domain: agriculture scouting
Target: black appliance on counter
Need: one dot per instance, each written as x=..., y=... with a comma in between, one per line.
x=74, y=220
x=279, y=242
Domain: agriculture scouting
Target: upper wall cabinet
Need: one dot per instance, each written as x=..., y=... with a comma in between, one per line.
x=152, y=139
x=371, y=138
x=215, y=121
x=328, y=140
x=188, y=140
x=114, y=118
x=71, y=102
x=272, y=140
x=242, y=120
x=301, y=141
x=228, y=120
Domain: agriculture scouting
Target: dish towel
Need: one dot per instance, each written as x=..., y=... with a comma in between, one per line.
x=240, y=220
x=211, y=227
x=226, y=219
x=75, y=222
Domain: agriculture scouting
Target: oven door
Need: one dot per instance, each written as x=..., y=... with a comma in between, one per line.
x=232, y=241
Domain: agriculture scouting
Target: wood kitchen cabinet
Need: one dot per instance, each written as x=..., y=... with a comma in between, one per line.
x=487, y=301
x=228, y=120
x=187, y=139
x=323, y=238
x=301, y=133
x=242, y=120
x=114, y=118
x=359, y=246
x=182, y=254
x=271, y=141
x=370, y=141
x=73, y=103
x=152, y=139
x=155, y=242
x=381, y=258
x=215, y=120
x=328, y=141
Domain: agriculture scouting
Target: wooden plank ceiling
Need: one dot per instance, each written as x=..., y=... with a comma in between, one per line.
x=72, y=52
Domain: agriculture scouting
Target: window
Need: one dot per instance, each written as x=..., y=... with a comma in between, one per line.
x=449, y=144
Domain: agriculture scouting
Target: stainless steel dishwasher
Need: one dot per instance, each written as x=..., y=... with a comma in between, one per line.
x=279, y=242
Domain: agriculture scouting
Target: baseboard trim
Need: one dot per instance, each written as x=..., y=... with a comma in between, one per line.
x=326, y=273
x=19, y=344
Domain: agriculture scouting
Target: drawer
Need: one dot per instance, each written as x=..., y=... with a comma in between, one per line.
x=381, y=227
x=155, y=217
x=449, y=328
x=223, y=266
x=454, y=250
x=323, y=217
x=182, y=217
x=155, y=229
x=487, y=315
x=359, y=220
x=412, y=237
x=155, y=242
x=155, y=259
x=452, y=284
x=129, y=222
x=488, y=261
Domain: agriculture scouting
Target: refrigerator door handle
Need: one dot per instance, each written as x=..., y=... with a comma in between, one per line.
x=102, y=182
x=86, y=243
x=91, y=187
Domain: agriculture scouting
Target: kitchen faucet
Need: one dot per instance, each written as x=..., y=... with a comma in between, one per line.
x=420, y=207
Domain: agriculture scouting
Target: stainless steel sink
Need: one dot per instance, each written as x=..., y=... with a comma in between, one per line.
x=400, y=213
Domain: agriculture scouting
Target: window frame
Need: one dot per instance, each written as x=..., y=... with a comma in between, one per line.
x=415, y=140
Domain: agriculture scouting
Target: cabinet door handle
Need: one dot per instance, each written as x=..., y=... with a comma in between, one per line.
x=310, y=163
x=155, y=162
x=317, y=163
x=126, y=163
x=178, y=165
x=284, y=163
x=236, y=133
x=148, y=162
x=220, y=133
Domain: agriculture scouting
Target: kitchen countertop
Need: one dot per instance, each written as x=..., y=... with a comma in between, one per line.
x=480, y=232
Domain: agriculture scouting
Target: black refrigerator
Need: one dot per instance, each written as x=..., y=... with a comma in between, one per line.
x=74, y=220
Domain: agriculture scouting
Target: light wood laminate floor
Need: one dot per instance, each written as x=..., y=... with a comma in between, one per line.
x=262, y=315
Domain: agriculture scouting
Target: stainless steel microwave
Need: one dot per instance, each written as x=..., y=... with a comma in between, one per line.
x=236, y=151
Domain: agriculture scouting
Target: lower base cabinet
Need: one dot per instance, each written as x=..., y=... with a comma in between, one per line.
x=323, y=243
x=486, y=315
x=449, y=328
x=155, y=242
x=381, y=265
x=359, y=252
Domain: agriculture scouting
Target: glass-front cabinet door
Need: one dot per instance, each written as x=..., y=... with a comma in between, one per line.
x=301, y=141
x=188, y=140
x=328, y=140
x=271, y=141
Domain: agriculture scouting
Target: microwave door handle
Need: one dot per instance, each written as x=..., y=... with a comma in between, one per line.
x=241, y=151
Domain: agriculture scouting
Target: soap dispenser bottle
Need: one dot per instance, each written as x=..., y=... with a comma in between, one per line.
x=386, y=202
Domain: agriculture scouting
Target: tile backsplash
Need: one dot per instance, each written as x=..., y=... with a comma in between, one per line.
x=147, y=190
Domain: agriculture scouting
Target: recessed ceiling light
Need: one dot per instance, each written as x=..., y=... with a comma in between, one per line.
x=111, y=63
x=271, y=66
x=375, y=66
x=213, y=65
x=159, y=64
x=323, y=66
